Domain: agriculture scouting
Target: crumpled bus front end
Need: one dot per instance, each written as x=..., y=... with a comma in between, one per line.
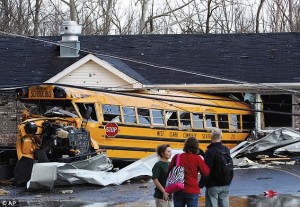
x=42, y=140
x=50, y=140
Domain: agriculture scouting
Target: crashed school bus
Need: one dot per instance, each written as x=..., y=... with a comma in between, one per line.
x=63, y=122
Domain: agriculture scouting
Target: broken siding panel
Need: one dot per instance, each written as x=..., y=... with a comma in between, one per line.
x=91, y=74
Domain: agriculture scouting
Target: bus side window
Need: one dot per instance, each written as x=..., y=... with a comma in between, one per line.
x=83, y=107
x=185, y=120
x=157, y=117
x=223, y=121
x=171, y=118
x=210, y=120
x=248, y=121
x=235, y=121
x=111, y=113
x=144, y=116
x=129, y=114
x=198, y=120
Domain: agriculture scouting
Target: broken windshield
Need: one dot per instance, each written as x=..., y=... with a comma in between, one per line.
x=51, y=108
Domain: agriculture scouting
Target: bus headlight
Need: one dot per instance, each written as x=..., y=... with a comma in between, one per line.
x=30, y=128
x=22, y=92
x=59, y=92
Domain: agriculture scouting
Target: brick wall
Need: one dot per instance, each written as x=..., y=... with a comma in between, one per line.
x=10, y=117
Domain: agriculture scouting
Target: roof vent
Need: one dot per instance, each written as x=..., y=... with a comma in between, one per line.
x=70, y=30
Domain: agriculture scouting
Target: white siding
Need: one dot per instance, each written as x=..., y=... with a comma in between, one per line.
x=93, y=75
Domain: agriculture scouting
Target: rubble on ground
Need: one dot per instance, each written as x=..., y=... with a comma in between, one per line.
x=281, y=146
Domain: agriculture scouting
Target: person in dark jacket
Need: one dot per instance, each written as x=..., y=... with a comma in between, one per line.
x=216, y=194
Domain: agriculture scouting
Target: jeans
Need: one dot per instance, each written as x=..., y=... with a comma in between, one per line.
x=217, y=196
x=180, y=199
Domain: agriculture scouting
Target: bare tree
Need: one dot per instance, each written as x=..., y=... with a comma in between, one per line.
x=290, y=19
x=6, y=14
x=144, y=10
x=107, y=12
x=73, y=12
x=35, y=14
x=257, y=15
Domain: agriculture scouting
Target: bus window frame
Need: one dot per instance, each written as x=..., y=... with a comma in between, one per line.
x=138, y=117
x=120, y=116
x=192, y=119
x=216, y=121
x=166, y=120
x=152, y=117
x=239, y=127
x=95, y=108
x=228, y=123
x=179, y=120
x=135, y=113
x=242, y=122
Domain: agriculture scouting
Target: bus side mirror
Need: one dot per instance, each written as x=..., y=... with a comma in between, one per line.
x=88, y=113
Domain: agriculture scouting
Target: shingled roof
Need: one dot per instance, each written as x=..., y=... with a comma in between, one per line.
x=253, y=58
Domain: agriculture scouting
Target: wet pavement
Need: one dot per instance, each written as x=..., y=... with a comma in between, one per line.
x=247, y=189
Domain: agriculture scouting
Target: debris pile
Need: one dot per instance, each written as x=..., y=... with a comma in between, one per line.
x=281, y=146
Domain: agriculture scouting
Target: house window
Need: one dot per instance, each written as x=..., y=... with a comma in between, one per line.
x=185, y=119
x=280, y=103
x=129, y=115
x=198, y=120
x=144, y=116
x=111, y=113
x=158, y=117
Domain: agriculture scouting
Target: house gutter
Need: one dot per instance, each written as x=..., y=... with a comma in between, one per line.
x=261, y=88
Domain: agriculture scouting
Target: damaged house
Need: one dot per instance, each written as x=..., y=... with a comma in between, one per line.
x=262, y=69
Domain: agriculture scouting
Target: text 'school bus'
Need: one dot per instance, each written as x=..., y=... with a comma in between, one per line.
x=67, y=122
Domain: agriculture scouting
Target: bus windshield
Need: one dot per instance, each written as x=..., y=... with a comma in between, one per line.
x=61, y=108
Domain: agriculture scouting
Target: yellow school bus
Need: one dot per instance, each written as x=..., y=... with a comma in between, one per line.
x=61, y=122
